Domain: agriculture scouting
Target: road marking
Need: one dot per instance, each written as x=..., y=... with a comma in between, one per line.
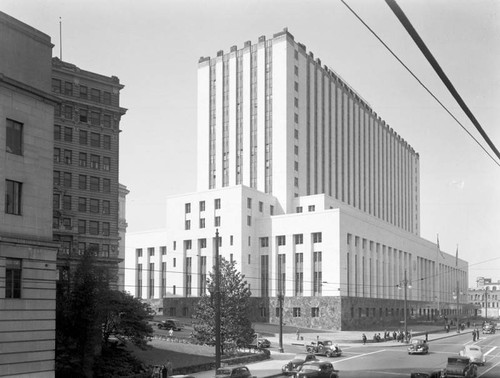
x=487, y=370
x=361, y=355
x=491, y=350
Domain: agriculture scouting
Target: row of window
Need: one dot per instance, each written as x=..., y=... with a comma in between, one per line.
x=82, y=91
x=102, y=250
x=94, y=227
x=84, y=116
x=316, y=237
x=217, y=205
x=66, y=134
x=91, y=205
x=95, y=162
x=93, y=183
x=310, y=208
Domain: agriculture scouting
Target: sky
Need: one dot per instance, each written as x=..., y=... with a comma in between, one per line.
x=153, y=47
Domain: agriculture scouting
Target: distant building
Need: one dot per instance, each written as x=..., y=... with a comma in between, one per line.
x=486, y=297
x=86, y=159
x=27, y=252
x=314, y=196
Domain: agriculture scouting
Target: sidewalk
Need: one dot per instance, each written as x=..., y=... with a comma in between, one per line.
x=272, y=367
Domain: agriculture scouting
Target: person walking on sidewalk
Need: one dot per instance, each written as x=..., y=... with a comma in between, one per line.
x=473, y=335
x=298, y=334
x=364, y=339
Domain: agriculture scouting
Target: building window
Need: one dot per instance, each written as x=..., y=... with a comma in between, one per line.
x=13, y=269
x=249, y=220
x=82, y=159
x=68, y=156
x=217, y=203
x=317, y=237
x=187, y=224
x=83, y=137
x=55, y=201
x=314, y=312
x=202, y=222
x=67, y=223
x=68, y=88
x=84, y=115
x=311, y=208
x=95, y=140
x=13, y=193
x=94, y=228
x=95, y=118
x=83, y=91
x=249, y=203
x=202, y=205
x=106, y=163
x=57, y=155
x=94, y=161
x=106, y=185
x=82, y=182
x=105, y=228
x=298, y=239
x=187, y=244
x=14, y=137
x=68, y=112
x=187, y=208
x=261, y=206
x=106, y=142
x=163, y=251
x=82, y=226
x=174, y=262
x=296, y=150
x=56, y=85
x=82, y=204
x=95, y=95
x=139, y=252
x=68, y=134
x=94, y=184
x=67, y=202
x=264, y=242
x=281, y=240
x=296, y=182
x=105, y=207
x=202, y=243
x=106, y=120
x=271, y=209
x=57, y=132
x=106, y=98
x=296, y=312
x=299, y=209
x=94, y=205
x=217, y=221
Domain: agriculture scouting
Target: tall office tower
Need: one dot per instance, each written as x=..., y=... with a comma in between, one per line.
x=86, y=161
x=272, y=118
x=27, y=252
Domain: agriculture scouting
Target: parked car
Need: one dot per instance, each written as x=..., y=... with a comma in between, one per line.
x=293, y=365
x=263, y=343
x=418, y=346
x=170, y=324
x=317, y=369
x=233, y=372
x=325, y=348
x=458, y=367
x=474, y=353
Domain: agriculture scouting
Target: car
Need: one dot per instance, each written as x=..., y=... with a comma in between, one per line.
x=325, y=348
x=475, y=354
x=458, y=367
x=418, y=346
x=317, y=369
x=233, y=372
x=263, y=343
x=489, y=328
x=294, y=364
x=170, y=324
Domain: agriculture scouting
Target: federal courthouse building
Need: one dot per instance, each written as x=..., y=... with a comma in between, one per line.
x=314, y=197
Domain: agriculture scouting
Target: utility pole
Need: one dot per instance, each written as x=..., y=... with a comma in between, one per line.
x=280, y=300
x=458, y=299
x=486, y=303
x=217, y=301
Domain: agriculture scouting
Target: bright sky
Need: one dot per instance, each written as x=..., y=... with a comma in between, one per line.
x=153, y=46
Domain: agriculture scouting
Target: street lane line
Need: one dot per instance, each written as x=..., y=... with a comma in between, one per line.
x=491, y=350
x=361, y=355
x=487, y=370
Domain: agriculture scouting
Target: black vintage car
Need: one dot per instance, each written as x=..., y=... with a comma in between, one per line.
x=294, y=365
x=317, y=369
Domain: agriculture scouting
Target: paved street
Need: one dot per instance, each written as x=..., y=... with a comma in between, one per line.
x=386, y=359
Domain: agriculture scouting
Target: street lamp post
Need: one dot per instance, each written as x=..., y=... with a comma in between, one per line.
x=217, y=302
x=406, y=285
x=456, y=295
x=486, y=303
x=280, y=301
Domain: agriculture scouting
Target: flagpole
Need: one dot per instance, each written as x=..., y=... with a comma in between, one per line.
x=438, y=277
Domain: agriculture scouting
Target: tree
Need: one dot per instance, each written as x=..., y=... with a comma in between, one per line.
x=235, y=326
x=88, y=312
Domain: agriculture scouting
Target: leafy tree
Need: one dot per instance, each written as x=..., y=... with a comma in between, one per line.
x=235, y=326
x=88, y=312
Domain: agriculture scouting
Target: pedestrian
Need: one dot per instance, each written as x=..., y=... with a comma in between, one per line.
x=426, y=336
x=170, y=332
x=473, y=335
x=298, y=334
x=394, y=335
x=163, y=372
x=170, y=370
x=364, y=339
